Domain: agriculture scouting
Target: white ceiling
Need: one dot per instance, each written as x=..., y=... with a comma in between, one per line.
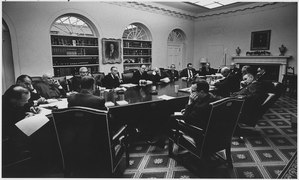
x=197, y=9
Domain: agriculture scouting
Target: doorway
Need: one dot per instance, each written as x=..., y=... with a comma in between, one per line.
x=175, y=55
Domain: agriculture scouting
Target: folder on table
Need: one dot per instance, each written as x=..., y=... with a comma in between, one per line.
x=123, y=102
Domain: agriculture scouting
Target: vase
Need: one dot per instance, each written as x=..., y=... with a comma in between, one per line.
x=282, y=50
x=238, y=51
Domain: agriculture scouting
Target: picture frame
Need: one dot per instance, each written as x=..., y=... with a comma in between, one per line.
x=260, y=40
x=111, y=50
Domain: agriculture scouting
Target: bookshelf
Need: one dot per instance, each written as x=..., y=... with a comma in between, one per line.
x=69, y=53
x=136, y=53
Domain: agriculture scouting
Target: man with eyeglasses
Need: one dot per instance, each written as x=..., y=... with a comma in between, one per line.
x=141, y=76
x=111, y=80
x=50, y=88
x=76, y=80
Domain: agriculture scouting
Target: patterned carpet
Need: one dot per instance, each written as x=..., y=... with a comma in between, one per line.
x=262, y=155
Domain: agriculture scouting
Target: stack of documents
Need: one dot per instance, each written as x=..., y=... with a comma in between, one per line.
x=109, y=103
x=165, y=97
x=128, y=85
x=123, y=102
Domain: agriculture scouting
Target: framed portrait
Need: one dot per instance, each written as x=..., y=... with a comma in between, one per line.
x=260, y=40
x=111, y=51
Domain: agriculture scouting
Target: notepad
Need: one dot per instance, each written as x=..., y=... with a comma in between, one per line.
x=128, y=85
x=123, y=102
x=185, y=90
x=109, y=104
x=165, y=97
x=31, y=124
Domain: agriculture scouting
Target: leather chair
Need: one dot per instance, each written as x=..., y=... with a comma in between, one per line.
x=204, y=143
x=253, y=112
x=98, y=77
x=89, y=148
x=127, y=77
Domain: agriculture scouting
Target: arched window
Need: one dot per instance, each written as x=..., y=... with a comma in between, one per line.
x=74, y=45
x=176, y=36
x=137, y=46
x=72, y=26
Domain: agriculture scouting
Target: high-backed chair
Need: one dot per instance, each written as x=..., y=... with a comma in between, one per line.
x=88, y=146
x=98, y=77
x=127, y=77
x=254, y=111
x=203, y=143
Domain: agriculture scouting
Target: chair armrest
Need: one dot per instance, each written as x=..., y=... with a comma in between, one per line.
x=120, y=133
x=270, y=96
x=185, y=128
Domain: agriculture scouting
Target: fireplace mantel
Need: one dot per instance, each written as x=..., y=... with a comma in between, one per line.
x=282, y=61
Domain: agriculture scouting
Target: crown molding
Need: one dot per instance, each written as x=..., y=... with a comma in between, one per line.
x=153, y=8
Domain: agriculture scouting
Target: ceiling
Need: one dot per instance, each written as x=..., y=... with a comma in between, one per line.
x=196, y=9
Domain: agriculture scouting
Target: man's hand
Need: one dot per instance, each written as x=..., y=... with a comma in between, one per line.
x=41, y=100
x=34, y=110
x=193, y=96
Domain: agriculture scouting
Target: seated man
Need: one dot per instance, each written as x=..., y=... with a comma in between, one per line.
x=188, y=73
x=159, y=76
x=49, y=88
x=111, y=80
x=76, y=80
x=140, y=76
x=172, y=73
x=85, y=97
x=255, y=95
x=13, y=110
x=26, y=81
x=197, y=110
x=205, y=69
x=223, y=86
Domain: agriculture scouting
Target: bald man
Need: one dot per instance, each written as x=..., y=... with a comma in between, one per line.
x=76, y=80
x=50, y=88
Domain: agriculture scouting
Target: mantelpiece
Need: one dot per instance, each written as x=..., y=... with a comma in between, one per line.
x=282, y=61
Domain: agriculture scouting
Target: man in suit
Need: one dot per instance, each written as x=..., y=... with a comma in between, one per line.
x=225, y=86
x=255, y=94
x=26, y=81
x=111, y=80
x=159, y=76
x=50, y=88
x=76, y=80
x=111, y=52
x=140, y=76
x=188, y=73
x=206, y=69
x=197, y=110
x=85, y=97
x=172, y=73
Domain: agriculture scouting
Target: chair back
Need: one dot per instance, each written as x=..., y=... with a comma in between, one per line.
x=98, y=77
x=221, y=125
x=127, y=77
x=85, y=142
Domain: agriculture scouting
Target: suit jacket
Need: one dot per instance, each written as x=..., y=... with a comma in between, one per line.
x=204, y=71
x=255, y=94
x=49, y=91
x=137, y=76
x=110, y=81
x=173, y=75
x=76, y=83
x=86, y=99
x=198, y=112
x=184, y=72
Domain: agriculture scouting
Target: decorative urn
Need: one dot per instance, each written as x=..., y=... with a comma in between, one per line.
x=238, y=51
x=282, y=50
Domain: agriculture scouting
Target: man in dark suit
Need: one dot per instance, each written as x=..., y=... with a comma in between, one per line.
x=172, y=73
x=255, y=94
x=197, y=110
x=85, y=97
x=111, y=52
x=140, y=76
x=188, y=73
x=76, y=80
x=225, y=86
x=111, y=80
x=50, y=88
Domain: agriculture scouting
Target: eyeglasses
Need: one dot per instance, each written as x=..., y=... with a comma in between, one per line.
x=83, y=72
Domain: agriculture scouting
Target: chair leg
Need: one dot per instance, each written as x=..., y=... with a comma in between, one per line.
x=170, y=147
x=127, y=155
x=228, y=157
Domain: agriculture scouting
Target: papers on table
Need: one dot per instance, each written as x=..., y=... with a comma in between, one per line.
x=60, y=103
x=31, y=124
x=109, y=103
x=123, y=102
x=185, y=90
x=128, y=85
x=165, y=97
x=44, y=111
x=178, y=114
x=120, y=89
